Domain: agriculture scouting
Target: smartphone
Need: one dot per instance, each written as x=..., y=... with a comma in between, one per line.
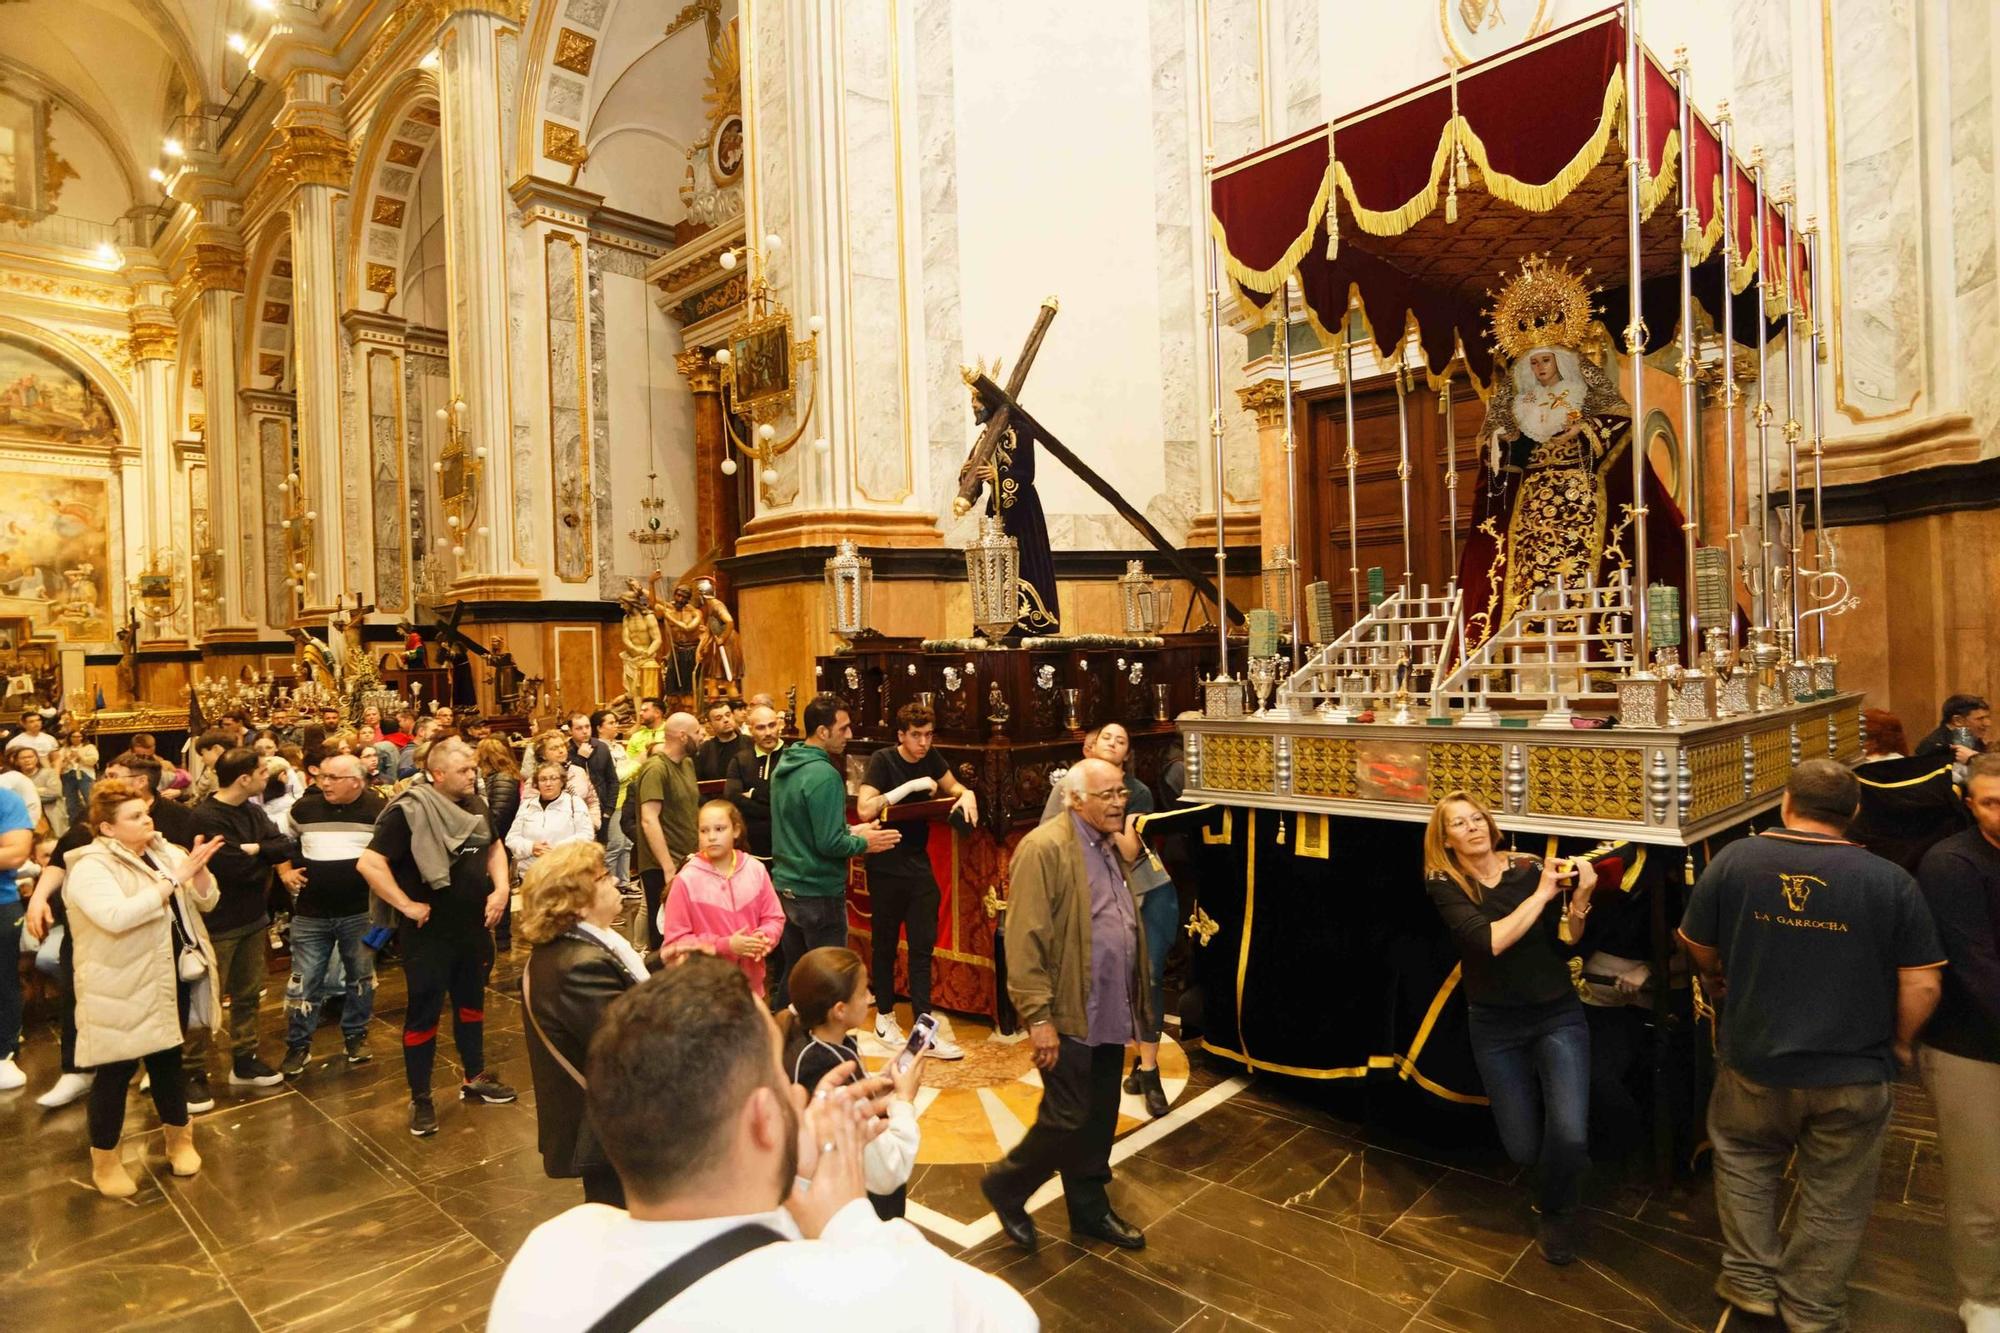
x=922, y=1033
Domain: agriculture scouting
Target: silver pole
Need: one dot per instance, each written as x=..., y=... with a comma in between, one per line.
x=1824, y=559
x=1690, y=456
x=1291, y=487
x=1353, y=462
x=1450, y=476
x=1726, y=126
x=1635, y=337
x=1766, y=565
x=1403, y=457
x=1215, y=444
x=1791, y=413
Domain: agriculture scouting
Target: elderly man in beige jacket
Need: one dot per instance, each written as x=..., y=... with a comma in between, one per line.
x=1076, y=956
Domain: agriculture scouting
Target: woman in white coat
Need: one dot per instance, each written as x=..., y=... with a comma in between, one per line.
x=144, y=971
x=550, y=815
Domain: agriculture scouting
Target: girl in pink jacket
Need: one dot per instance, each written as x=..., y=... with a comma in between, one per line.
x=722, y=902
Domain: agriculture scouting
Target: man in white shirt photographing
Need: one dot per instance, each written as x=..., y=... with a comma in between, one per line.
x=747, y=1205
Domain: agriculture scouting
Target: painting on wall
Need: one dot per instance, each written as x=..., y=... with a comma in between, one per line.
x=55, y=565
x=42, y=400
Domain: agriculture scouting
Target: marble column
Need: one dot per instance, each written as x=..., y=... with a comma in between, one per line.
x=314, y=152
x=718, y=517
x=1265, y=400
x=215, y=273
x=155, y=346
x=476, y=264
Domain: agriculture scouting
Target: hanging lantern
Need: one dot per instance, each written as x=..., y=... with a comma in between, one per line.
x=993, y=568
x=1278, y=580
x=1146, y=604
x=850, y=587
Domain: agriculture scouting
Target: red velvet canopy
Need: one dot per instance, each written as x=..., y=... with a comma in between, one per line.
x=1416, y=206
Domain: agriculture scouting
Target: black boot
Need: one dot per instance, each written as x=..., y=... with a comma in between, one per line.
x=1149, y=1085
x=1132, y=1083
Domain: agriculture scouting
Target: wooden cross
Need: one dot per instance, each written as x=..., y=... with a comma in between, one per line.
x=1004, y=412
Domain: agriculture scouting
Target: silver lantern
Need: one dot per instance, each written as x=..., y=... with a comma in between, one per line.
x=850, y=589
x=1146, y=605
x=993, y=568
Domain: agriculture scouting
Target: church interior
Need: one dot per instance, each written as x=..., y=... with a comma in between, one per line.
x=1362, y=408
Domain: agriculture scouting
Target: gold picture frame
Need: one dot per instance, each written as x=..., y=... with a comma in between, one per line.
x=760, y=366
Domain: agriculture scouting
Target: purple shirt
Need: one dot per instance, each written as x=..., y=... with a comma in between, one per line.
x=1114, y=941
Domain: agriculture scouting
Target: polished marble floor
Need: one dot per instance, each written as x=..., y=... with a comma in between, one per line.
x=1267, y=1203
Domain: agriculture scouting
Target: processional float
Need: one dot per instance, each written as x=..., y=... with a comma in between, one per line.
x=1554, y=690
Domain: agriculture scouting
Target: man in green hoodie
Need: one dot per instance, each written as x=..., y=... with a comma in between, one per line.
x=811, y=840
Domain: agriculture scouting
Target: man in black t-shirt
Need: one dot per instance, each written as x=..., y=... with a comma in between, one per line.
x=334, y=824
x=748, y=782
x=902, y=891
x=1825, y=964
x=434, y=859
x=725, y=743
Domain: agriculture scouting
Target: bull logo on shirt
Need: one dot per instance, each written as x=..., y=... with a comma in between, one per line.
x=1798, y=888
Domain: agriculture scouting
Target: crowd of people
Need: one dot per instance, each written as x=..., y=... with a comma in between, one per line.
x=696, y=1067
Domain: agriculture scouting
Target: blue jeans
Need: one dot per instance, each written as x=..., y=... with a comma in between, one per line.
x=314, y=939
x=617, y=850
x=76, y=785
x=1160, y=911
x=817, y=922
x=1535, y=1062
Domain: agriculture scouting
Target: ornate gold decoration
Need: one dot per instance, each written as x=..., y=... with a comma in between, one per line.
x=1322, y=767
x=313, y=155
x=724, y=94
x=154, y=340
x=699, y=370
x=403, y=153
x=1545, y=305
x=514, y=11
x=387, y=212
x=425, y=113
x=198, y=423
x=1770, y=759
x=212, y=267
x=1265, y=398
x=1236, y=763
x=575, y=50
x=1471, y=768
x=1202, y=926
x=1846, y=730
x=70, y=293
x=382, y=278
x=563, y=144
x=707, y=11
x=276, y=312
x=271, y=365
x=114, y=350
x=1589, y=782
x=1717, y=771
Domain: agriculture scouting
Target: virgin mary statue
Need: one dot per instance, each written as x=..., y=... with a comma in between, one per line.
x=1555, y=494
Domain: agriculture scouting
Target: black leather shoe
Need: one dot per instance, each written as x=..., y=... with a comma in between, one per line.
x=1156, y=1096
x=1015, y=1223
x=1112, y=1228
x=1555, y=1237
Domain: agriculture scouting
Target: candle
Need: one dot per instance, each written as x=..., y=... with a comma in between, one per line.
x=1263, y=632
x=1378, y=585
x=1663, y=606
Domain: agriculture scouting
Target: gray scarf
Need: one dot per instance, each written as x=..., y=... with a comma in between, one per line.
x=440, y=831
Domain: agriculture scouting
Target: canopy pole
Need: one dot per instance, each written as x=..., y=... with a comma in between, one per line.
x=1825, y=557
x=1635, y=331
x=1450, y=477
x=1791, y=416
x=1403, y=455
x=1291, y=489
x=1214, y=347
x=1761, y=592
x=1353, y=464
x=1726, y=126
x=1690, y=456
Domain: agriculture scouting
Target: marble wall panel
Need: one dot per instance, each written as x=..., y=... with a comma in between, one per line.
x=570, y=488
x=388, y=471
x=770, y=156
x=1176, y=185
x=602, y=263
x=1299, y=49
x=947, y=432
x=876, y=352
x=274, y=454
x=1972, y=28
x=1235, y=77
x=418, y=374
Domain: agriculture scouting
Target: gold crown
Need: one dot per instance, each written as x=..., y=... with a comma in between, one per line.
x=1546, y=305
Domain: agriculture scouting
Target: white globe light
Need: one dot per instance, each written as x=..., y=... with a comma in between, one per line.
x=291, y=583
x=480, y=452
x=313, y=574
x=458, y=550
x=483, y=529
x=816, y=324
x=312, y=515
x=773, y=242
x=298, y=567
x=283, y=487
x=727, y=259
x=767, y=432
x=728, y=467
x=821, y=445
x=444, y=541
x=722, y=356
x=437, y=467
x=451, y=522
x=770, y=476
x=284, y=523
x=443, y=414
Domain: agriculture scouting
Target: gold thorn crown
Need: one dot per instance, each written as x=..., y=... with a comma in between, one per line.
x=1546, y=305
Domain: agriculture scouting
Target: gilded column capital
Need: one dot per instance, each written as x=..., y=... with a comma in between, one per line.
x=212, y=267
x=700, y=371
x=153, y=338
x=310, y=154
x=1266, y=398
x=514, y=11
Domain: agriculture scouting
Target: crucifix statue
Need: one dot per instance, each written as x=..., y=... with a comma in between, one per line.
x=1003, y=462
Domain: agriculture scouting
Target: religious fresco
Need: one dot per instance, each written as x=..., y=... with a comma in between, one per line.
x=42, y=400
x=55, y=565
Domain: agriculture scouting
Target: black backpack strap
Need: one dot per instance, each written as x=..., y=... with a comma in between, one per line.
x=656, y=1291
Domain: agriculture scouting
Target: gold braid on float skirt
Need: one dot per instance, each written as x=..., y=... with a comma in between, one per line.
x=1545, y=305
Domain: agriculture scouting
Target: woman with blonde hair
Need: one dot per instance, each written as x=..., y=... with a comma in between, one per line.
x=549, y=816
x=1515, y=919
x=552, y=747
x=577, y=965
x=145, y=971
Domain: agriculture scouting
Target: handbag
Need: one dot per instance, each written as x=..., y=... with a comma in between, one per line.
x=48, y=951
x=659, y=1290
x=190, y=966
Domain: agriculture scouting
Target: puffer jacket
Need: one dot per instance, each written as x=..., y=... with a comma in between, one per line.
x=126, y=1000
x=565, y=819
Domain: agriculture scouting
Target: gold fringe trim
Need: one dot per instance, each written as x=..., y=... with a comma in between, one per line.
x=1274, y=277
x=1544, y=197
x=1395, y=221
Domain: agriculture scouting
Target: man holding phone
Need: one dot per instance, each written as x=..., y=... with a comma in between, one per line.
x=1076, y=954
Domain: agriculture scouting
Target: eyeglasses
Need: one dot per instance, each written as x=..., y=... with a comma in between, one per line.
x=1464, y=824
x=1115, y=795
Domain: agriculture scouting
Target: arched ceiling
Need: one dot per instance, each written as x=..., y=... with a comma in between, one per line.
x=127, y=67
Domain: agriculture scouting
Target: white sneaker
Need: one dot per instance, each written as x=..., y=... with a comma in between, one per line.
x=944, y=1048
x=889, y=1033
x=68, y=1088
x=11, y=1076
x=1979, y=1318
